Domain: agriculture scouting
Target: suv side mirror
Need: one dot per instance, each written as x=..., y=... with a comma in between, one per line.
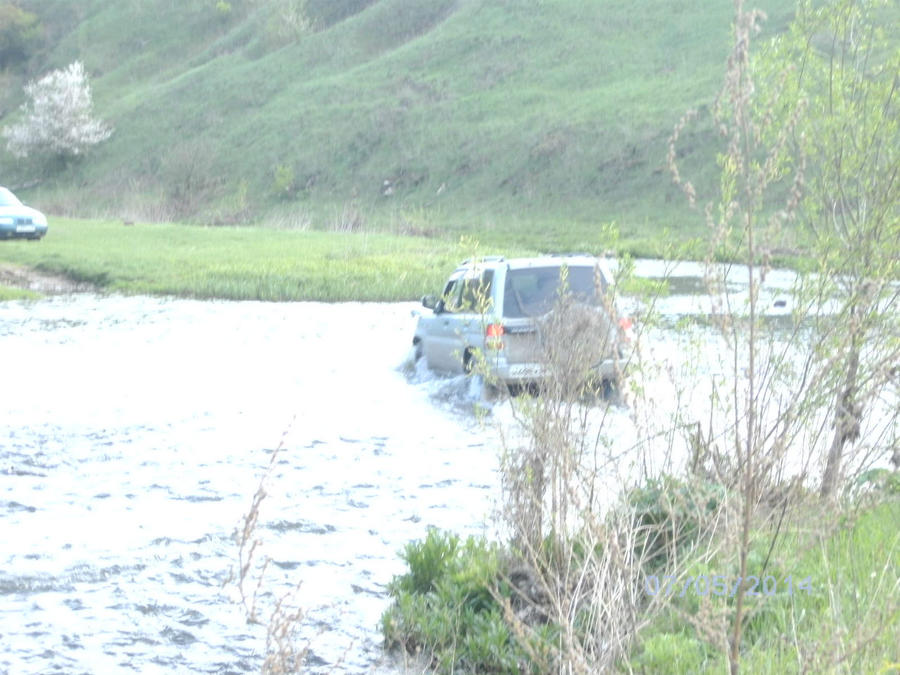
x=429, y=302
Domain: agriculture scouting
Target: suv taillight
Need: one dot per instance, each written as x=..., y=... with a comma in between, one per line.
x=494, y=336
x=626, y=324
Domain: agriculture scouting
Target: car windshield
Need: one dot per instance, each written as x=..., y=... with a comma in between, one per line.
x=531, y=291
x=7, y=198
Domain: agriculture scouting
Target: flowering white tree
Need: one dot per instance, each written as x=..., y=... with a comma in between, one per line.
x=58, y=118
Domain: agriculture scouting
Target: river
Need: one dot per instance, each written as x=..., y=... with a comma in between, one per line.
x=134, y=432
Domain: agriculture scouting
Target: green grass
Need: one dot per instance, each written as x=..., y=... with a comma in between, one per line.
x=505, y=115
x=446, y=607
x=847, y=623
x=398, y=255
x=9, y=293
x=241, y=263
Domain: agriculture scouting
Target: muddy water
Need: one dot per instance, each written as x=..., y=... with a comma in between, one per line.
x=133, y=434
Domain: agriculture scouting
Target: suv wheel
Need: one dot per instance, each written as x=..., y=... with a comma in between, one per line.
x=468, y=362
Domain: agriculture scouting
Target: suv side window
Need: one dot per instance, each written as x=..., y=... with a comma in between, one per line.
x=450, y=296
x=469, y=294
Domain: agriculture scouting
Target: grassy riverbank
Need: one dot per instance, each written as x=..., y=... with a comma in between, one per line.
x=390, y=259
x=13, y=293
x=239, y=263
x=837, y=613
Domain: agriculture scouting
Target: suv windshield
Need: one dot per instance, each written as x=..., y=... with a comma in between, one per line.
x=531, y=291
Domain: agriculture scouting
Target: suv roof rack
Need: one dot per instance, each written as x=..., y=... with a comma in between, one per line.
x=485, y=258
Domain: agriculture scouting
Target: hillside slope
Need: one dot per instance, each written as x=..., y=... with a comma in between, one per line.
x=468, y=109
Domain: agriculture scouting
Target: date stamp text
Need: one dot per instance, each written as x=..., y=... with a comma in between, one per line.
x=721, y=585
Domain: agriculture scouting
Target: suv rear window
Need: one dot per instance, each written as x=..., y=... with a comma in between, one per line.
x=531, y=291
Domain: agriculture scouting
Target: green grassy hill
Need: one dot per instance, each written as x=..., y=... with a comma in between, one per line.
x=422, y=115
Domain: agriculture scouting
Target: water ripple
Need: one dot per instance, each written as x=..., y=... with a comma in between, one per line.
x=137, y=436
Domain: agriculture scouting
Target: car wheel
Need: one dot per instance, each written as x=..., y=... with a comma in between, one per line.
x=518, y=389
x=468, y=362
x=612, y=391
x=493, y=392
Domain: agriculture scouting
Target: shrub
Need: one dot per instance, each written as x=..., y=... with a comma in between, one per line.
x=428, y=561
x=19, y=33
x=671, y=515
x=285, y=20
x=59, y=118
x=446, y=607
x=284, y=183
x=878, y=481
x=223, y=9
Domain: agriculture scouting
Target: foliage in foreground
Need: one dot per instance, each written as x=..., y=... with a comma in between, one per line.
x=845, y=619
x=447, y=608
x=450, y=604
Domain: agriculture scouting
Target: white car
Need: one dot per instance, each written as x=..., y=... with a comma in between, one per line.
x=18, y=220
x=517, y=319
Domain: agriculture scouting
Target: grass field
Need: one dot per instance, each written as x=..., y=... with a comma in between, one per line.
x=241, y=263
x=388, y=256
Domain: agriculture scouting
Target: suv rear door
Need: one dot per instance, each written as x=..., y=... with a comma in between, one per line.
x=530, y=293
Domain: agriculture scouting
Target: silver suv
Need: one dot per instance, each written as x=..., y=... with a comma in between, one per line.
x=520, y=320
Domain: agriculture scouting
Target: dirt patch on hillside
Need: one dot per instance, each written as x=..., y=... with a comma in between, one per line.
x=41, y=282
